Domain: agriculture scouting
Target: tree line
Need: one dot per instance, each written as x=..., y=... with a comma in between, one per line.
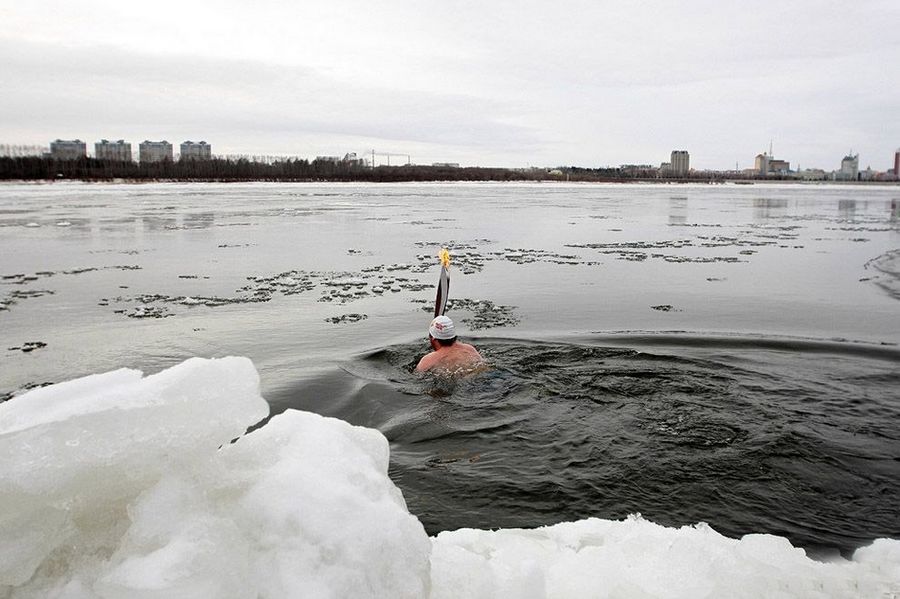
x=34, y=168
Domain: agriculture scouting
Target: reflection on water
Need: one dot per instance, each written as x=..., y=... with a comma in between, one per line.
x=158, y=223
x=199, y=220
x=190, y=220
x=764, y=208
x=847, y=209
x=678, y=210
x=109, y=225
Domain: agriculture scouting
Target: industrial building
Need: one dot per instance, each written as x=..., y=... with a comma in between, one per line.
x=68, y=149
x=119, y=151
x=155, y=151
x=766, y=165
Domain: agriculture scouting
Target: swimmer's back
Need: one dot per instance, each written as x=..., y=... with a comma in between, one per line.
x=455, y=358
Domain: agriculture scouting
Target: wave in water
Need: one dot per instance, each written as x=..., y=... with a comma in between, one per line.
x=887, y=266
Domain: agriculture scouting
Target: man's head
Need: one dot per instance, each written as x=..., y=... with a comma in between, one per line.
x=442, y=331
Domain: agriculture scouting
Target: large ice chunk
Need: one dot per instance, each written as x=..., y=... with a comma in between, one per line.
x=120, y=486
x=302, y=507
x=75, y=454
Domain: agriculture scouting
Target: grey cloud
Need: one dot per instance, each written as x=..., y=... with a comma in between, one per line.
x=109, y=87
x=582, y=82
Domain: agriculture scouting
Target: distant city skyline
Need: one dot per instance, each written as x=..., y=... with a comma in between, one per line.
x=505, y=84
x=764, y=164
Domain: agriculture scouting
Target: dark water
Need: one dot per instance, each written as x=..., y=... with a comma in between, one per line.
x=786, y=436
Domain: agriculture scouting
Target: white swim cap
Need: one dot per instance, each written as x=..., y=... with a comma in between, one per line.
x=442, y=328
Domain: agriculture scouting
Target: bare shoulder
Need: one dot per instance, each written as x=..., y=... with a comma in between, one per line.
x=428, y=361
x=470, y=349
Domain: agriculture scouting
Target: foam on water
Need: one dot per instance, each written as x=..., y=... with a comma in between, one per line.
x=121, y=486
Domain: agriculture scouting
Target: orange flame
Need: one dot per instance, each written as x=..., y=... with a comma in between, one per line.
x=445, y=257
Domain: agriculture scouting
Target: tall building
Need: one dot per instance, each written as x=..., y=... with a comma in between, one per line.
x=196, y=150
x=849, y=167
x=68, y=149
x=897, y=163
x=761, y=165
x=155, y=151
x=119, y=151
x=681, y=163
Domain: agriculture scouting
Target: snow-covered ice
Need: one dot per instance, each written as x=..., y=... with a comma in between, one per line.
x=119, y=485
x=637, y=558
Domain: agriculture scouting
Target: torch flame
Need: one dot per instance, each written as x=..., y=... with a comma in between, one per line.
x=445, y=257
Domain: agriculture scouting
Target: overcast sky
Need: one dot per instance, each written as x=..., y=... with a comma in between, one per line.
x=493, y=83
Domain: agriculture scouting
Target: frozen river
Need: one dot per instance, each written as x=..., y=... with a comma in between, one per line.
x=718, y=353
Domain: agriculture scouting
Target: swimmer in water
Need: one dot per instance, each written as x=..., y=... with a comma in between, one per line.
x=450, y=356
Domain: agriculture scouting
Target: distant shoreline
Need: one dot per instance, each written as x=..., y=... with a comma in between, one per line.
x=740, y=182
x=217, y=170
